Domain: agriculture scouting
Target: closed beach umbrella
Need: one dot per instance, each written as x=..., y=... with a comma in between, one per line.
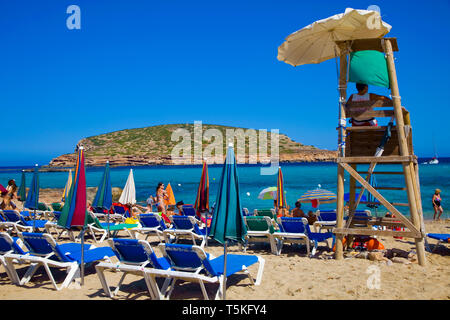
x=281, y=197
x=317, y=196
x=228, y=222
x=316, y=42
x=202, y=199
x=128, y=195
x=170, y=201
x=103, y=197
x=32, y=201
x=73, y=213
x=22, y=194
x=67, y=187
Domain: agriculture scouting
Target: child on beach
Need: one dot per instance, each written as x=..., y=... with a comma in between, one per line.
x=436, y=200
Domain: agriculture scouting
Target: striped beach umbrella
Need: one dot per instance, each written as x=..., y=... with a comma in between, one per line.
x=32, y=201
x=318, y=196
x=281, y=197
x=22, y=194
x=103, y=197
x=67, y=187
x=202, y=199
x=227, y=221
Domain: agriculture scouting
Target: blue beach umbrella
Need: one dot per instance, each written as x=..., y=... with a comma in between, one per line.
x=228, y=222
x=22, y=194
x=32, y=200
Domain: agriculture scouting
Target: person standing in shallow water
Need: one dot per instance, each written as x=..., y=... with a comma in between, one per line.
x=436, y=200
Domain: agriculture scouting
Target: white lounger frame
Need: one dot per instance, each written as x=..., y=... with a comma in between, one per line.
x=73, y=268
x=171, y=276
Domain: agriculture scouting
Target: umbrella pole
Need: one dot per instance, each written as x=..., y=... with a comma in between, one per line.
x=206, y=228
x=224, y=283
x=82, y=256
x=107, y=222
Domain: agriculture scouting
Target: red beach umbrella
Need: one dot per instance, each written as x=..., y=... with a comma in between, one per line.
x=202, y=200
x=281, y=197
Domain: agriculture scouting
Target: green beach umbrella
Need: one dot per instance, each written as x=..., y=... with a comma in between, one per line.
x=32, y=199
x=228, y=222
x=103, y=197
x=22, y=194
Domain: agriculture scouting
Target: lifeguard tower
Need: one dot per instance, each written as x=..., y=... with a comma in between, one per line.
x=359, y=146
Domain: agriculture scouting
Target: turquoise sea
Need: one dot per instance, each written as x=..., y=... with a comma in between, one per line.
x=298, y=178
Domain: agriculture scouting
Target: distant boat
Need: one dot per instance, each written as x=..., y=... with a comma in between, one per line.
x=434, y=160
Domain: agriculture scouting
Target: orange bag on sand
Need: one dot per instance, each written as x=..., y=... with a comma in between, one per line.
x=344, y=241
x=374, y=244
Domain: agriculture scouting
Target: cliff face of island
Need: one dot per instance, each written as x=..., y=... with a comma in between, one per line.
x=156, y=145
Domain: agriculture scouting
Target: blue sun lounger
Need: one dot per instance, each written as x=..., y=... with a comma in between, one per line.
x=194, y=260
x=189, y=210
x=326, y=219
x=185, y=227
x=151, y=223
x=5, y=225
x=44, y=251
x=10, y=245
x=441, y=237
x=19, y=222
x=297, y=230
x=135, y=257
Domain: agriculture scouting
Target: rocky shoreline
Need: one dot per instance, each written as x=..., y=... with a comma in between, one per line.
x=68, y=160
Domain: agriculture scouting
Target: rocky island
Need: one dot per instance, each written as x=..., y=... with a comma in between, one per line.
x=155, y=146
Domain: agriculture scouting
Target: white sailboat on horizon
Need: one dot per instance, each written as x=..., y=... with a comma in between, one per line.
x=434, y=160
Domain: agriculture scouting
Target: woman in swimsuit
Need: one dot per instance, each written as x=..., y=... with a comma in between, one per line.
x=161, y=194
x=437, y=204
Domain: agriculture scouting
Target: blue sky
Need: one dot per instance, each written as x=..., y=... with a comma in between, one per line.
x=140, y=63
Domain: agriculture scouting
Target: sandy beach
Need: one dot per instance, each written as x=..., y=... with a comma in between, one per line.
x=290, y=276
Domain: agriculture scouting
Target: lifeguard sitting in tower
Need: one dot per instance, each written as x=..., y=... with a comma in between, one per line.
x=364, y=95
